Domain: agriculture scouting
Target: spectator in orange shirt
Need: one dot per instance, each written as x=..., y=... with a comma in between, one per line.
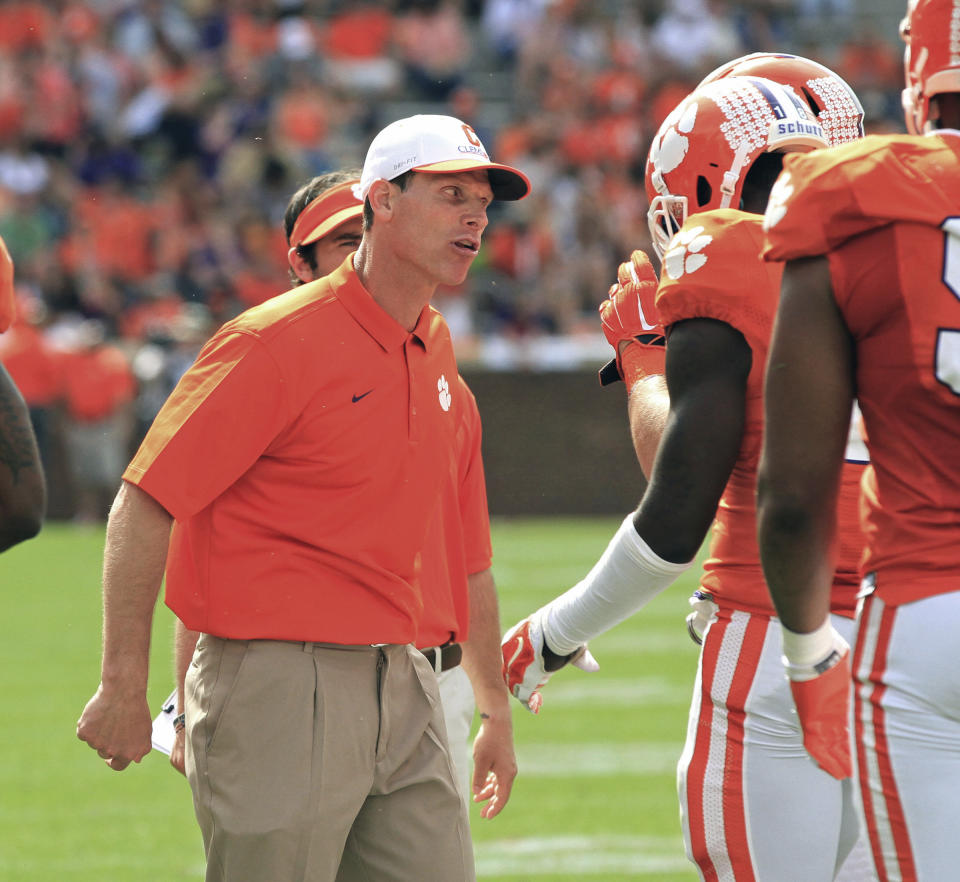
x=99, y=389
x=23, y=493
x=35, y=368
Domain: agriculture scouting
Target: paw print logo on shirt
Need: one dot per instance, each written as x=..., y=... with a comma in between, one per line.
x=443, y=387
x=777, y=203
x=683, y=255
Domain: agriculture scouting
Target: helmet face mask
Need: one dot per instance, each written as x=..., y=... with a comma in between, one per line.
x=931, y=31
x=703, y=150
x=664, y=218
x=833, y=102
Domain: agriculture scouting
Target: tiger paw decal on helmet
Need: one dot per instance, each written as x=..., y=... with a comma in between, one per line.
x=700, y=157
x=672, y=145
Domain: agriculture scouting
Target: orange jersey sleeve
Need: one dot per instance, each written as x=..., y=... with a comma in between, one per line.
x=712, y=269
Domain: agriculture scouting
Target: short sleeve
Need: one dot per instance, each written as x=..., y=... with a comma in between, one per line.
x=219, y=419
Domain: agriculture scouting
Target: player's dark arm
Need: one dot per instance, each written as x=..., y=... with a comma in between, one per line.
x=808, y=395
x=23, y=492
x=707, y=366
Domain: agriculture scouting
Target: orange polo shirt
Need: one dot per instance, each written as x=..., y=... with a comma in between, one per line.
x=458, y=543
x=302, y=456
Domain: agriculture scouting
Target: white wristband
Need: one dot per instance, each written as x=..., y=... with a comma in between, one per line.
x=805, y=650
x=628, y=575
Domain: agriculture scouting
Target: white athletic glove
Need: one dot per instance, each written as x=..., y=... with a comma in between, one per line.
x=524, y=665
x=818, y=665
x=704, y=611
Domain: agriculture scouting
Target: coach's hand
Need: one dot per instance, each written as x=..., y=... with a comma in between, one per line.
x=178, y=752
x=117, y=726
x=494, y=760
x=630, y=324
x=528, y=662
x=821, y=692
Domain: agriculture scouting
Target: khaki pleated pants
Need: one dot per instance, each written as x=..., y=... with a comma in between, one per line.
x=303, y=754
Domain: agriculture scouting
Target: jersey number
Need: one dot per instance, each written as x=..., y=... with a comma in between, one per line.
x=948, y=340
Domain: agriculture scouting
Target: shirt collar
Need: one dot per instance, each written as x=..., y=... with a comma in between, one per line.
x=379, y=324
x=357, y=300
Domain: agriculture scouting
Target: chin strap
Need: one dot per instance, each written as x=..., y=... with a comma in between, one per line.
x=732, y=177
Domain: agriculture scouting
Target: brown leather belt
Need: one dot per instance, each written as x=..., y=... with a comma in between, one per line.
x=442, y=658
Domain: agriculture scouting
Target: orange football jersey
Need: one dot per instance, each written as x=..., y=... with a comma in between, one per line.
x=886, y=211
x=712, y=269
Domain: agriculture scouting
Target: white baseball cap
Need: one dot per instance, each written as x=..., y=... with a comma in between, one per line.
x=440, y=144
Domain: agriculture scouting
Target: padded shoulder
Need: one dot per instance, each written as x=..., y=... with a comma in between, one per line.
x=826, y=197
x=712, y=269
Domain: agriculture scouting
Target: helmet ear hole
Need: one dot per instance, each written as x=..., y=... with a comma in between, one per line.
x=704, y=191
x=811, y=101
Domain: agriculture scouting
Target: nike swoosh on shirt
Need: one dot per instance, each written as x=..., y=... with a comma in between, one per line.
x=356, y=397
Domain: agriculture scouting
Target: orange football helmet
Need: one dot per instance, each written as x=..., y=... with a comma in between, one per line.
x=704, y=148
x=835, y=105
x=931, y=60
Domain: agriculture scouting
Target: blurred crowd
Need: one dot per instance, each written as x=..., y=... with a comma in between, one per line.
x=148, y=149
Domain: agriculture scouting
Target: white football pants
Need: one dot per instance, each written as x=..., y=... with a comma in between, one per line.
x=907, y=731
x=754, y=806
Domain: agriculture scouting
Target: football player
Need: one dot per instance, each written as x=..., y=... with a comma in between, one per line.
x=871, y=238
x=753, y=805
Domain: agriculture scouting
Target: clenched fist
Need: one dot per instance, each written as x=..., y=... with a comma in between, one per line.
x=630, y=323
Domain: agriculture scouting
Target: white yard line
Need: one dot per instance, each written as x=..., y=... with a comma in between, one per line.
x=586, y=857
x=586, y=760
x=577, y=688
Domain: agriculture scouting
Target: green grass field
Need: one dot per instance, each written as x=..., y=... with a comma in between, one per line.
x=595, y=798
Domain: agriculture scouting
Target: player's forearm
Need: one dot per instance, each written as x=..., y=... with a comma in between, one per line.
x=482, y=659
x=647, y=409
x=795, y=550
x=809, y=388
x=138, y=532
